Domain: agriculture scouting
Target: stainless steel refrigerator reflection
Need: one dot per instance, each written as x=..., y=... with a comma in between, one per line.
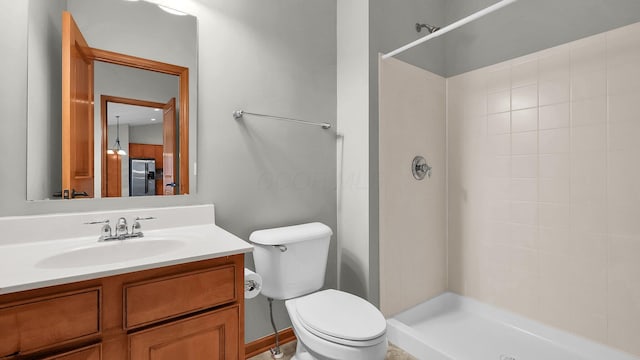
x=142, y=177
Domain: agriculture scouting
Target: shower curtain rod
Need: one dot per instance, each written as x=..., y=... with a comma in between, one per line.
x=450, y=27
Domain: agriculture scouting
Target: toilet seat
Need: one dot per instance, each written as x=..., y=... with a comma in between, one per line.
x=341, y=318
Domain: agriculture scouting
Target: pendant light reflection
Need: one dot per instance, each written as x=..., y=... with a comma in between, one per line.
x=117, y=148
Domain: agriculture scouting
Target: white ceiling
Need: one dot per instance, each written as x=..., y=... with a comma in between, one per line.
x=133, y=115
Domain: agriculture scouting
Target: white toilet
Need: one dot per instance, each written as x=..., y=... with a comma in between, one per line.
x=329, y=324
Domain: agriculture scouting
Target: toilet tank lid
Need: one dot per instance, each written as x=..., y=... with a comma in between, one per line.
x=290, y=234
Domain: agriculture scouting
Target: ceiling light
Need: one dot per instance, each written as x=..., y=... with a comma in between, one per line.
x=153, y=119
x=117, y=149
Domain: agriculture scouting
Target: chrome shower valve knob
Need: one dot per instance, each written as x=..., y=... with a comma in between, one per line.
x=420, y=168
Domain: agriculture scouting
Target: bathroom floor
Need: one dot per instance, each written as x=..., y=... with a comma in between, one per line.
x=289, y=349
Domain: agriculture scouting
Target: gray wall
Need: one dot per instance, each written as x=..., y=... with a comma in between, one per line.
x=259, y=173
x=44, y=91
x=146, y=134
x=392, y=25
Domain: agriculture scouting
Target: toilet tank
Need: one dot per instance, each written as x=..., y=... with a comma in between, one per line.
x=291, y=260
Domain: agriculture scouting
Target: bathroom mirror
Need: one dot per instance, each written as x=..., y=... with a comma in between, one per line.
x=140, y=52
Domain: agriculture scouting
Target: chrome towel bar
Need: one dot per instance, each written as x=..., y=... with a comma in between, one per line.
x=239, y=114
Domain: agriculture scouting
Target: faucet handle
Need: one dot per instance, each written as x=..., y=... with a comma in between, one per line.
x=121, y=227
x=135, y=229
x=105, y=232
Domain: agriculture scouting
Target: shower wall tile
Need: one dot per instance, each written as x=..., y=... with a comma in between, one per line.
x=499, y=145
x=524, y=189
x=412, y=213
x=624, y=135
x=554, y=241
x=554, y=116
x=524, y=120
x=499, y=166
x=554, y=90
x=524, y=143
x=524, y=166
x=623, y=79
x=555, y=76
x=557, y=166
x=623, y=294
x=624, y=107
x=545, y=219
x=499, y=102
x=554, y=190
x=499, y=78
x=589, y=112
x=525, y=213
x=524, y=72
x=475, y=106
x=588, y=246
x=588, y=85
x=499, y=123
x=554, y=141
x=554, y=215
x=589, y=54
x=589, y=178
x=524, y=97
x=587, y=139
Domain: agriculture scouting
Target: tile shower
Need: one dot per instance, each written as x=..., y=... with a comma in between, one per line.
x=541, y=184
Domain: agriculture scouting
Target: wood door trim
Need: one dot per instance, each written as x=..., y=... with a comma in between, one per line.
x=136, y=62
x=183, y=74
x=265, y=343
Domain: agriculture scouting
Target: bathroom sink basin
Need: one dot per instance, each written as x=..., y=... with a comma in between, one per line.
x=110, y=252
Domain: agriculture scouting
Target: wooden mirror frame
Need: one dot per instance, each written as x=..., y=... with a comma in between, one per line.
x=183, y=75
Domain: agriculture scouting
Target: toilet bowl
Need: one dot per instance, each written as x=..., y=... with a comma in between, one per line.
x=329, y=324
x=334, y=325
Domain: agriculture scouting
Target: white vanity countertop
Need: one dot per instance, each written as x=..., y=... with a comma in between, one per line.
x=39, y=264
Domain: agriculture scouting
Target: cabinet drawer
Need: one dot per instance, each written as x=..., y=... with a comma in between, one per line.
x=164, y=298
x=40, y=323
x=93, y=352
x=213, y=336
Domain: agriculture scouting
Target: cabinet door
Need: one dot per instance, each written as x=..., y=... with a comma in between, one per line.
x=210, y=336
x=48, y=322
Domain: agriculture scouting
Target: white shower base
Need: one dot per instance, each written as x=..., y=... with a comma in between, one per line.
x=455, y=327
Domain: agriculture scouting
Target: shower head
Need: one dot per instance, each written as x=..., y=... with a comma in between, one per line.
x=429, y=28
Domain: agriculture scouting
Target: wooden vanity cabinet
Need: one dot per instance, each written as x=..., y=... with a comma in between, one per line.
x=190, y=311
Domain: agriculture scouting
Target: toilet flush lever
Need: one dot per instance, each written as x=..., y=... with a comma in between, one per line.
x=282, y=248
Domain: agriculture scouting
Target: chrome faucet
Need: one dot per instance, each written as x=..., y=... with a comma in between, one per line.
x=122, y=230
